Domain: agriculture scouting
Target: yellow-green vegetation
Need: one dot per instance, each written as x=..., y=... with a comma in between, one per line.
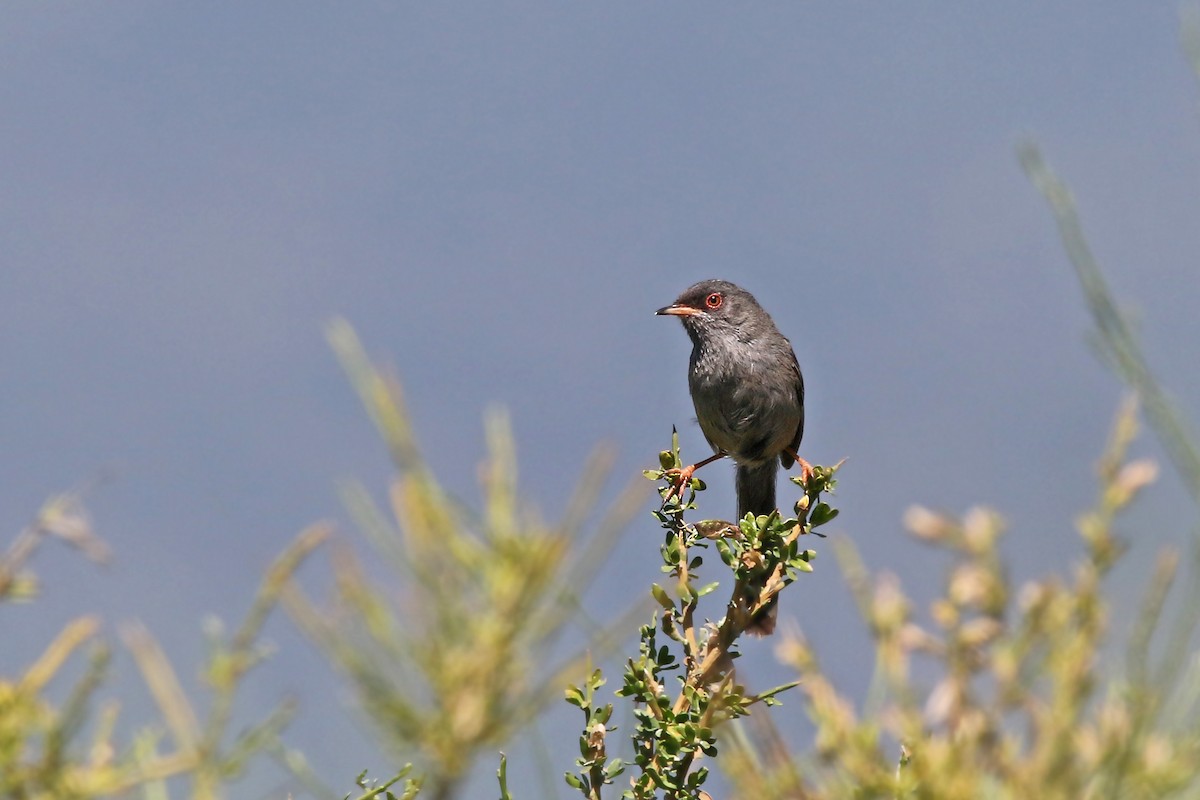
x=1014, y=697
x=459, y=661
x=48, y=749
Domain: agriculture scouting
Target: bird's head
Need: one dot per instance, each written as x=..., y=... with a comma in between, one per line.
x=717, y=307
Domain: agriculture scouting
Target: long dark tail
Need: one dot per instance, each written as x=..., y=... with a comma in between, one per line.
x=756, y=488
x=756, y=494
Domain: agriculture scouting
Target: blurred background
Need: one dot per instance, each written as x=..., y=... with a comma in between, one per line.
x=497, y=197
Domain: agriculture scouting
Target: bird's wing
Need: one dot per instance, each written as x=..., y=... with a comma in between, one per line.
x=784, y=458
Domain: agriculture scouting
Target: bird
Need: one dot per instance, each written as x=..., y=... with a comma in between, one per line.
x=747, y=388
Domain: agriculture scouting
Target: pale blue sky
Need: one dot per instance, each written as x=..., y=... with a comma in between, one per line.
x=498, y=197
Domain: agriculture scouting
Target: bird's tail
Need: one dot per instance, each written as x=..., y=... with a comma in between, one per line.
x=756, y=488
x=756, y=495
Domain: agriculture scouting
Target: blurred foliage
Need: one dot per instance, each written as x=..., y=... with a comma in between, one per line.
x=450, y=636
x=63, y=518
x=54, y=751
x=1022, y=704
x=676, y=720
x=1115, y=338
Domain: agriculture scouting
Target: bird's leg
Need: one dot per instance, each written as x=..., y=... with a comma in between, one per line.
x=682, y=476
x=805, y=467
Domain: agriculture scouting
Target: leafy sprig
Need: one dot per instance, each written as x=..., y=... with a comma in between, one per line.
x=682, y=681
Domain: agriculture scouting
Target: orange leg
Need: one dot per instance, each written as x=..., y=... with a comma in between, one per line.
x=683, y=476
x=805, y=467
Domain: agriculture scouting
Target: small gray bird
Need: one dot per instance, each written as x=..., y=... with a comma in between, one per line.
x=746, y=386
x=749, y=396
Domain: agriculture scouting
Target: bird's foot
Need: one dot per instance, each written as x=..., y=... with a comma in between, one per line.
x=806, y=470
x=680, y=477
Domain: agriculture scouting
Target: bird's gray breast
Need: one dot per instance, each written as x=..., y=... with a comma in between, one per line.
x=746, y=405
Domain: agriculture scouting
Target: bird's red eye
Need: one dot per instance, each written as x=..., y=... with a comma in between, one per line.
x=713, y=301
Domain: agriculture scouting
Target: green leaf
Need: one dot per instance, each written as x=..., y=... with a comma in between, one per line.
x=664, y=599
x=502, y=777
x=821, y=514
x=770, y=693
x=596, y=679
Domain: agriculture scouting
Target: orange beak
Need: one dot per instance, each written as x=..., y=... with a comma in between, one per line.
x=679, y=311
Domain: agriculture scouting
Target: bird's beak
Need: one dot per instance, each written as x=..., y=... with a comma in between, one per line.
x=679, y=311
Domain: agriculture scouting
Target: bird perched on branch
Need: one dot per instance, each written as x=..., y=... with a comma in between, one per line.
x=746, y=386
